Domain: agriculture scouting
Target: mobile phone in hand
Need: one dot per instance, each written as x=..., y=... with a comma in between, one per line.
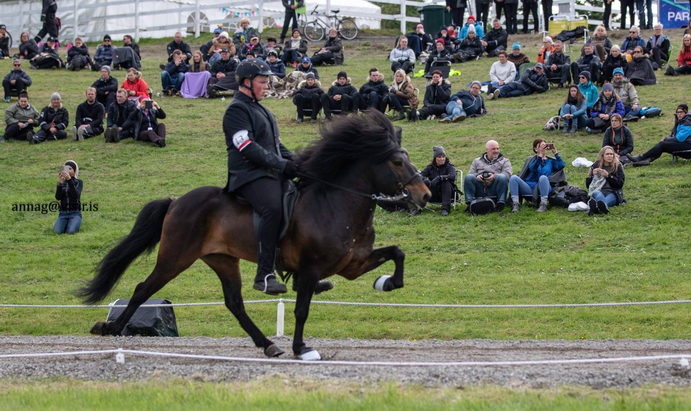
x=549, y=146
x=148, y=104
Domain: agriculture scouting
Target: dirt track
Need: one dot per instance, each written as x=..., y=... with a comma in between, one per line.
x=599, y=375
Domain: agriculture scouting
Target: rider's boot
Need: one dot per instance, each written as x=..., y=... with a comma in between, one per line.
x=268, y=284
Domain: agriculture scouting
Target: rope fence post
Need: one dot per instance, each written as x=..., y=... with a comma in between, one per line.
x=280, y=317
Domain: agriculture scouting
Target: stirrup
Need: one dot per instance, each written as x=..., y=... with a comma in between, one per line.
x=269, y=285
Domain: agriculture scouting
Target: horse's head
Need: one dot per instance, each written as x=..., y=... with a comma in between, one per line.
x=397, y=176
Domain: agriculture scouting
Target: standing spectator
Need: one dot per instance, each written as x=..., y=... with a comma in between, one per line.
x=294, y=49
x=495, y=40
x=465, y=103
x=677, y=141
x=588, y=89
x=178, y=44
x=290, y=6
x=78, y=56
x=482, y=10
x=438, y=56
x=479, y=30
x=538, y=176
x=401, y=57
x=20, y=119
x=517, y=58
x=511, y=9
x=105, y=86
x=489, y=176
x=605, y=182
x=48, y=56
x=332, y=50
x=220, y=43
x=498, y=8
x=640, y=71
x=602, y=45
x=373, y=92
x=174, y=74
x=341, y=95
x=614, y=61
x=222, y=75
x=277, y=67
x=457, y=10
x=135, y=85
x=4, y=42
x=530, y=6
x=684, y=60
x=437, y=96
x=589, y=62
x=608, y=14
x=28, y=48
x=440, y=178
x=619, y=137
x=104, y=54
x=306, y=67
x=658, y=46
x=547, y=49
x=632, y=41
x=645, y=24
x=401, y=94
x=547, y=12
x=50, y=7
x=607, y=104
x=255, y=47
x=144, y=120
x=308, y=94
x=470, y=48
x=574, y=111
x=532, y=81
x=118, y=114
x=53, y=122
x=558, y=65
x=501, y=73
x=17, y=79
x=627, y=94
x=69, y=194
x=89, y=117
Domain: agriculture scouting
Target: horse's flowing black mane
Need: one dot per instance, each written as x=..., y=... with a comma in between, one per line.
x=368, y=137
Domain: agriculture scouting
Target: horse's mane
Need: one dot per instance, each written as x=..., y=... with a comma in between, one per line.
x=368, y=137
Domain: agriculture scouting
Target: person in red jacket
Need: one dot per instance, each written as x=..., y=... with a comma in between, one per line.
x=136, y=87
x=684, y=60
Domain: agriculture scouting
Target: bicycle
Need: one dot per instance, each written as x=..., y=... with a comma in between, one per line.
x=316, y=29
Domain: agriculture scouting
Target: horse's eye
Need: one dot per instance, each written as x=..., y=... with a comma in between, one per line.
x=398, y=163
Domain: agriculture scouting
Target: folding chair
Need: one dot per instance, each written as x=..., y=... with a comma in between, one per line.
x=560, y=22
x=685, y=154
x=458, y=191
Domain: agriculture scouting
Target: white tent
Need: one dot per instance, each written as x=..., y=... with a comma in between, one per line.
x=356, y=7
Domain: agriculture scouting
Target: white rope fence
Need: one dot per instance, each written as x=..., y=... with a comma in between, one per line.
x=120, y=358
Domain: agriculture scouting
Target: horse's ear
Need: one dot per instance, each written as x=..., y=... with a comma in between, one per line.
x=398, y=135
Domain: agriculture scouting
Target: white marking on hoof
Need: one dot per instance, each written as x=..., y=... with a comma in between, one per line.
x=379, y=284
x=311, y=356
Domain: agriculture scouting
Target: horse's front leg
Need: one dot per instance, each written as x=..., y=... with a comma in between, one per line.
x=374, y=260
x=306, y=286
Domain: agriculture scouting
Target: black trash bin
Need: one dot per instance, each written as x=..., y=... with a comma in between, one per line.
x=433, y=16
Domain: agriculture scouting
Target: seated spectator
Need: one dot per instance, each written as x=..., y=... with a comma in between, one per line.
x=341, y=95
x=104, y=54
x=4, y=42
x=619, y=137
x=658, y=47
x=52, y=122
x=89, y=117
x=118, y=113
x=677, y=141
x=244, y=33
x=135, y=85
x=17, y=79
x=547, y=49
x=306, y=67
x=128, y=56
x=558, y=65
x=532, y=81
x=20, y=119
x=640, y=71
x=401, y=94
x=615, y=60
x=588, y=89
x=69, y=194
x=574, y=111
x=601, y=44
x=197, y=64
x=633, y=40
x=518, y=59
x=589, y=62
x=477, y=25
x=627, y=94
x=207, y=49
x=253, y=46
x=277, y=67
x=437, y=96
x=197, y=78
x=178, y=44
x=440, y=178
x=373, y=92
x=401, y=57
x=426, y=41
x=465, y=103
x=105, y=86
x=469, y=48
x=28, y=48
x=449, y=43
x=294, y=49
x=605, y=182
x=501, y=73
x=438, y=56
x=144, y=120
x=451, y=29
x=607, y=104
x=128, y=41
x=48, y=56
x=684, y=60
x=271, y=44
x=537, y=177
x=332, y=51
x=174, y=74
x=489, y=176
x=495, y=40
x=78, y=56
x=222, y=75
x=308, y=94
x=218, y=44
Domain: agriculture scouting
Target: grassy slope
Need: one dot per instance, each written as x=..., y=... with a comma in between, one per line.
x=639, y=252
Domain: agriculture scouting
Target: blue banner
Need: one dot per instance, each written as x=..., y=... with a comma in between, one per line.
x=674, y=13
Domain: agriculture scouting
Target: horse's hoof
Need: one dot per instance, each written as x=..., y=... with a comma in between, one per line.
x=323, y=286
x=309, y=354
x=383, y=283
x=98, y=328
x=273, y=351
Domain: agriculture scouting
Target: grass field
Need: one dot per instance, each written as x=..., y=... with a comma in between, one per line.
x=639, y=252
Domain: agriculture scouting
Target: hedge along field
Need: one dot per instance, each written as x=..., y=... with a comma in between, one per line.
x=639, y=252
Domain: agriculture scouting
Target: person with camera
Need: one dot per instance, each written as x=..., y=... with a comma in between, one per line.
x=145, y=122
x=89, y=117
x=489, y=176
x=440, y=178
x=537, y=176
x=605, y=182
x=69, y=193
x=20, y=118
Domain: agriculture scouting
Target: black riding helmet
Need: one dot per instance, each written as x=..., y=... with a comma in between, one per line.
x=251, y=68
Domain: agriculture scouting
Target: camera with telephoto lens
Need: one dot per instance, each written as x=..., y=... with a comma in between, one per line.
x=485, y=175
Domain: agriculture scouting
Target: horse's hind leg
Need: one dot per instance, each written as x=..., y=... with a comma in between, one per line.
x=228, y=270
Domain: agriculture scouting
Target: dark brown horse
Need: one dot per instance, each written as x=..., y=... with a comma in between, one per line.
x=331, y=232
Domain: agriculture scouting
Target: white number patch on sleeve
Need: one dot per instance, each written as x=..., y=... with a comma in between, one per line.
x=241, y=139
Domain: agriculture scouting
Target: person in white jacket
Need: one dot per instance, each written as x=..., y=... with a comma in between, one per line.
x=502, y=72
x=402, y=57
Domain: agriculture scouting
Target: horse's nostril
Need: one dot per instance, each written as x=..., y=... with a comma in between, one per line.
x=426, y=198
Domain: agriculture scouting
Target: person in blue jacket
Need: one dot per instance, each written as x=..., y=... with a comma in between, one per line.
x=574, y=110
x=537, y=176
x=607, y=104
x=634, y=39
x=277, y=67
x=479, y=30
x=465, y=103
x=679, y=140
x=588, y=89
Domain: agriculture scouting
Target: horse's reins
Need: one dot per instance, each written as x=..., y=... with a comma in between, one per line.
x=402, y=192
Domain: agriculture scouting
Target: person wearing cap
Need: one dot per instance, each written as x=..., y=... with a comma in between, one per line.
x=627, y=94
x=437, y=96
x=78, y=56
x=496, y=39
x=341, y=95
x=558, y=65
x=440, y=177
x=501, y=73
x=294, y=49
x=457, y=10
x=589, y=62
x=208, y=49
x=308, y=94
x=479, y=30
x=439, y=56
x=28, y=48
x=222, y=75
x=50, y=27
x=402, y=57
x=465, y=103
x=290, y=15
x=105, y=86
x=470, y=48
x=331, y=51
x=588, y=89
x=607, y=104
x=372, y=93
x=222, y=42
x=104, y=54
x=118, y=113
x=174, y=74
x=178, y=44
x=255, y=47
x=530, y=6
x=518, y=59
x=532, y=81
x=17, y=79
x=306, y=67
x=89, y=117
x=546, y=50
x=640, y=70
x=678, y=140
x=69, y=193
x=48, y=56
x=277, y=67
x=20, y=119
x=489, y=176
x=614, y=60
x=52, y=122
x=4, y=42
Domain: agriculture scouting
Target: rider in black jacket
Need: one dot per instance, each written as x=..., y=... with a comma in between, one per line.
x=50, y=7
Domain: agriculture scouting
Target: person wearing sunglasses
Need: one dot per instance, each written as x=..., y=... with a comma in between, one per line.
x=17, y=79
x=104, y=54
x=632, y=41
x=640, y=71
x=679, y=140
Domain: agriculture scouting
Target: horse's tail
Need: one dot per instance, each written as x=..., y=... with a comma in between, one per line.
x=144, y=236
